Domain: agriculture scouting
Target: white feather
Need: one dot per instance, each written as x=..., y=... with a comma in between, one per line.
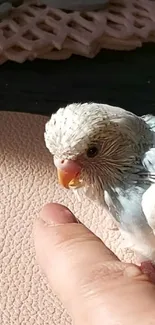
x=148, y=206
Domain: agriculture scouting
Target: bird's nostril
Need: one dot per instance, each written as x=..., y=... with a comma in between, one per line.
x=62, y=161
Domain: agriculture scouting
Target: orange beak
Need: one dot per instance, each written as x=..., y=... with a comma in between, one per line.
x=68, y=172
x=68, y=178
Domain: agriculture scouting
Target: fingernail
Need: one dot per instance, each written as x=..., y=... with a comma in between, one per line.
x=55, y=214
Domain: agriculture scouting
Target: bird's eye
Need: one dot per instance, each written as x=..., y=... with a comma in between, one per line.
x=92, y=151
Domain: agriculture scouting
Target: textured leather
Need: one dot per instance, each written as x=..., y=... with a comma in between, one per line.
x=27, y=182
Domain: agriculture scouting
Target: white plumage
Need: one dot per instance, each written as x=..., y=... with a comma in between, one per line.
x=115, y=150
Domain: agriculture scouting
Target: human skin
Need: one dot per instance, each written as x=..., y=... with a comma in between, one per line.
x=94, y=286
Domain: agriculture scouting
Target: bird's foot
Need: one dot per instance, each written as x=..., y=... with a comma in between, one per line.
x=147, y=267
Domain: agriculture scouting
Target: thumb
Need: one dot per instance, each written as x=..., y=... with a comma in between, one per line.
x=77, y=264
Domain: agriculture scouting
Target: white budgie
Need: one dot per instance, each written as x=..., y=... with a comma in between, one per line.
x=109, y=153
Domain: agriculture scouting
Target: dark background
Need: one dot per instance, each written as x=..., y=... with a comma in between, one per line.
x=126, y=79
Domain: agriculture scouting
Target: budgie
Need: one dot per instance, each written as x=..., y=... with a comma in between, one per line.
x=109, y=154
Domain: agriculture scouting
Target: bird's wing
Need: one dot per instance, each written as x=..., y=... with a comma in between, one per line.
x=134, y=208
x=149, y=157
x=149, y=163
x=127, y=210
x=148, y=198
x=150, y=120
x=148, y=206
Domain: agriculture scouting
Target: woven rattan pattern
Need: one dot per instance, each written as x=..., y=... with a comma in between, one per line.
x=38, y=31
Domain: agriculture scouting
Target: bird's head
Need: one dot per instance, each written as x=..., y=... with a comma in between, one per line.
x=92, y=145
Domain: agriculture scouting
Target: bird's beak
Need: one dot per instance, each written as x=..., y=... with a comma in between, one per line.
x=68, y=179
x=68, y=173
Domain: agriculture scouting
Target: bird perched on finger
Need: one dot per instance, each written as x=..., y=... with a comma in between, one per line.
x=109, y=154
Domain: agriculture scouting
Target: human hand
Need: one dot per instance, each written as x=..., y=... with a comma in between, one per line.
x=94, y=286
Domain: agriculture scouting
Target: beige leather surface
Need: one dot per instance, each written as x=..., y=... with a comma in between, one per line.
x=27, y=181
